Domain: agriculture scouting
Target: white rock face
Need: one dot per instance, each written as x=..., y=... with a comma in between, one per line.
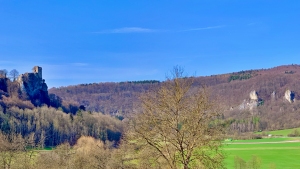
x=250, y=104
x=253, y=95
x=253, y=104
x=289, y=96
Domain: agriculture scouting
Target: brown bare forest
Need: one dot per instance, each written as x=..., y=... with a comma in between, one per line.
x=231, y=90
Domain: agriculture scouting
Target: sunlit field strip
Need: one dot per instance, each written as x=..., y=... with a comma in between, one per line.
x=284, y=155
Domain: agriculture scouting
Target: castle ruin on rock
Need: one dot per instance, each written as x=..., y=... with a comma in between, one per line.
x=33, y=87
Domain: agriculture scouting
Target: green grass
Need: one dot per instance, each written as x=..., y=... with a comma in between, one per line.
x=264, y=140
x=48, y=148
x=284, y=155
x=279, y=132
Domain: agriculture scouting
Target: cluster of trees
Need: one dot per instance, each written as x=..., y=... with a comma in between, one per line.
x=294, y=133
x=239, y=77
x=17, y=152
x=289, y=72
x=142, y=82
x=13, y=74
x=52, y=127
x=253, y=163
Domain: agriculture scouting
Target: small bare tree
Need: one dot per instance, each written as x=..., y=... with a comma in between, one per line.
x=14, y=74
x=10, y=147
x=178, y=126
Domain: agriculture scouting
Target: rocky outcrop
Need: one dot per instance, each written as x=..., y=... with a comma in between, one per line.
x=289, y=96
x=250, y=103
x=33, y=87
x=253, y=95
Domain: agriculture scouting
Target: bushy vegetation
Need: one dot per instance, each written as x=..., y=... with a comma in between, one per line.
x=294, y=133
x=239, y=77
x=87, y=153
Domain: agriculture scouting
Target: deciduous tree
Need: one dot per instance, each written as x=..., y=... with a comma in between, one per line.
x=14, y=74
x=178, y=125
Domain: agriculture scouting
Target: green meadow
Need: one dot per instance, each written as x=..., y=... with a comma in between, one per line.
x=284, y=153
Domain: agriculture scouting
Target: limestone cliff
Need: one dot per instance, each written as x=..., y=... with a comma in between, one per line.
x=289, y=96
x=33, y=87
x=253, y=95
x=250, y=103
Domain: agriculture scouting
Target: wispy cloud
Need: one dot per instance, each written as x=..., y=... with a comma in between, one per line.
x=203, y=28
x=147, y=30
x=127, y=30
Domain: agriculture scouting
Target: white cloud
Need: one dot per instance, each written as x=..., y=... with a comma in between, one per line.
x=203, y=28
x=147, y=30
x=127, y=30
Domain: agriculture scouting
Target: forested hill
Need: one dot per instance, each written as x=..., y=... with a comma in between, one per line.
x=232, y=90
x=27, y=110
x=108, y=98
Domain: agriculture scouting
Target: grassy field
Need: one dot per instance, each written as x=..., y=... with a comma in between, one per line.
x=263, y=140
x=283, y=152
x=279, y=132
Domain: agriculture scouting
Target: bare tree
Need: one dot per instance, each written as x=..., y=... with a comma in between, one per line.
x=10, y=148
x=14, y=74
x=3, y=73
x=178, y=126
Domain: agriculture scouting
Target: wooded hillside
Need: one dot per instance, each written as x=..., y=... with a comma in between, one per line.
x=231, y=90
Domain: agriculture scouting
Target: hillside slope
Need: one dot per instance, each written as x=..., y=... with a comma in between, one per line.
x=276, y=93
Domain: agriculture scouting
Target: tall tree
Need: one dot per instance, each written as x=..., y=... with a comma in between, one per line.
x=14, y=74
x=178, y=125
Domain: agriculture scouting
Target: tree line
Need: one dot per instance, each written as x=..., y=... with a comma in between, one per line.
x=52, y=127
x=13, y=74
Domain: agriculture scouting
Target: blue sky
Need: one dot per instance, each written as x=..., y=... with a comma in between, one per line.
x=111, y=41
